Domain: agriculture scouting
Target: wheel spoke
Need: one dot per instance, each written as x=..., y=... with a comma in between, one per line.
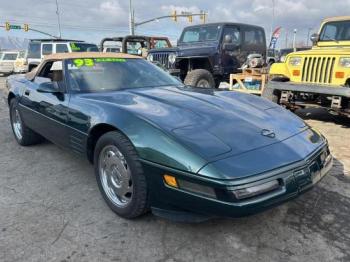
x=115, y=176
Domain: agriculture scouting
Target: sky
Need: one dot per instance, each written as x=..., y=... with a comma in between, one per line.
x=92, y=20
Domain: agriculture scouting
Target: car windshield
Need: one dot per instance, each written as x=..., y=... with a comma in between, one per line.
x=200, y=34
x=112, y=74
x=336, y=31
x=9, y=56
x=83, y=47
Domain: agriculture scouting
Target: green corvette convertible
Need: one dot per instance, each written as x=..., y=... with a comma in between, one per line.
x=182, y=152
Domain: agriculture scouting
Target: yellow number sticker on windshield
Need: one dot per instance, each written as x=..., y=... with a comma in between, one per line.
x=89, y=62
x=83, y=62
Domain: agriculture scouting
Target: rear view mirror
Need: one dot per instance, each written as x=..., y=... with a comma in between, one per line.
x=314, y=38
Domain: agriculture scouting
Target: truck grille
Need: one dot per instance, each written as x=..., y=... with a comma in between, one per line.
x=161, y=58
x=318, y=69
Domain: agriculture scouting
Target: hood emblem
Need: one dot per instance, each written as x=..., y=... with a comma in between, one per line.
x=268, y=133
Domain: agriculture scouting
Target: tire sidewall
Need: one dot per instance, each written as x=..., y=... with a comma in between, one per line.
x=137, y=176
x=194, y=77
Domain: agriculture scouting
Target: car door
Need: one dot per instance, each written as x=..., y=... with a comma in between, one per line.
x=46, y=112
x=253, y=41
x=231, y=60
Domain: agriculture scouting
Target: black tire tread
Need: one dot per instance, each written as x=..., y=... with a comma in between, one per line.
x=194, y=76
x=141, y=204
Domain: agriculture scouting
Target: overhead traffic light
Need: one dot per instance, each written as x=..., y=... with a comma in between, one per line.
x=26, y=27
x=7, y=26
x=174, y=16
x=190, y=19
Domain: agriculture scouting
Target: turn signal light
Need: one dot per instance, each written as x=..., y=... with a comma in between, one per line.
x=296, y=72
x=339, y=74
x=170, y=180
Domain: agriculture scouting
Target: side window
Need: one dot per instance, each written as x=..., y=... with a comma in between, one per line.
x=234, y=33
x=51, y=71
x=61, y=48
x=253, y=37
x=47, y=49
x=34, y=50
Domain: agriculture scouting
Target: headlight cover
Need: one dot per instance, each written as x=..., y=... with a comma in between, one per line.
x=295, y=61
x=172, y=58
x=150, y=57
x=344, y=62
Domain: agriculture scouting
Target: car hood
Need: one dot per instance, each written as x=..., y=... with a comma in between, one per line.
x=211, y=123
x=325, y=50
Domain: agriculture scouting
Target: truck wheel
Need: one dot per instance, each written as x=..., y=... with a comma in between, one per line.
x=200, y=78
x=120, y=175
x=23, y=134
x=271, y=94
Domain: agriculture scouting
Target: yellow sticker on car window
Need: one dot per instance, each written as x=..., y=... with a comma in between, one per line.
x=79, y=62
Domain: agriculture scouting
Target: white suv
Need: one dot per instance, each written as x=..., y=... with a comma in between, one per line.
x=7, y=60
x=38, y=48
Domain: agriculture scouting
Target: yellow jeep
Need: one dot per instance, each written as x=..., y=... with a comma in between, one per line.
x=316, y=77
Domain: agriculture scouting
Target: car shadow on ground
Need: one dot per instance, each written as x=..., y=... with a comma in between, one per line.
x=321, y=114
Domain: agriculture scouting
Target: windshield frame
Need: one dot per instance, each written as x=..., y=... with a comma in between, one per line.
x=66, y=73
x=198, y=27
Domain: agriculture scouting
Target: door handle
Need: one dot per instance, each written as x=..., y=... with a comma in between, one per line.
x=27, y=93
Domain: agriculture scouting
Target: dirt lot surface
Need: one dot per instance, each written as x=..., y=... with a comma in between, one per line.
x=51, y=210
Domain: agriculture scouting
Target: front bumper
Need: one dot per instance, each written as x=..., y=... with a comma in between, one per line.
x=301, y=177
x=310, y=88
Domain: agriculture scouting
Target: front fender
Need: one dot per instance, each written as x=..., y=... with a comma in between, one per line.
x=151, y=142
x=279, y=69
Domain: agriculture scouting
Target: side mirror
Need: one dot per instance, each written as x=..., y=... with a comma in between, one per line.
x=229, y=47
x=48, y=87
x=314, y=38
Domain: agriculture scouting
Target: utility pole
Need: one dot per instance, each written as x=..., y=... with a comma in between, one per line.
x=273, y=18
x=131, y=19
x=58, y=20
x=308, y=36
x=294, y=40
x=286, y=43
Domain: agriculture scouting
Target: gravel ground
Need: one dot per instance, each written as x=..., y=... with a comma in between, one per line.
x=51, y=210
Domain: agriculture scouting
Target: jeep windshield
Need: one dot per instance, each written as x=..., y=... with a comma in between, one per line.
x=83, y=47
x=90, y=75
x=200, y=34
x=336, y=31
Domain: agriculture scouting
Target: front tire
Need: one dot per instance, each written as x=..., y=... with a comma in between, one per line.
x=120, y=175
x=200, y=78
x=23, y=134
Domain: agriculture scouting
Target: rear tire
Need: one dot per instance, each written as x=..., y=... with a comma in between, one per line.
x=23, y=134
x=271, y=94
x=200, y=78
x=120, y=175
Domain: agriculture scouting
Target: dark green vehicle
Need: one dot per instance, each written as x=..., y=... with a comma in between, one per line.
x=156, y=144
